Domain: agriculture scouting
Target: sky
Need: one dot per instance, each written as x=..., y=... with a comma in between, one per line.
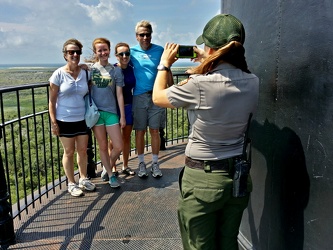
x=33, y=31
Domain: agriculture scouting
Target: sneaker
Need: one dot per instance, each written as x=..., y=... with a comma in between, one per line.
x=142, y=170
x=104, y=175
x=114, y=171
x=86, y=184
x=128, y=171
x=113, y=182
x=155, y=170
x=74, y=190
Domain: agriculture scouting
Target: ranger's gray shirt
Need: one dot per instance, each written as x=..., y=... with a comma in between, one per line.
x=218, y=106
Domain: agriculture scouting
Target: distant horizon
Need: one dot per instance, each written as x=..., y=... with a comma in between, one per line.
x=180, y=63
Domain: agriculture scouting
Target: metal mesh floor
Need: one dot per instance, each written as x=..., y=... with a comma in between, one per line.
x=141, y=214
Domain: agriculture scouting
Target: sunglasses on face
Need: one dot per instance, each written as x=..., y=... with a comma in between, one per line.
x=122, y=54
x=145, y=35
x=72, y=52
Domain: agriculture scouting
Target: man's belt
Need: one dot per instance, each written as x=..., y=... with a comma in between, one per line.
x=208, y=166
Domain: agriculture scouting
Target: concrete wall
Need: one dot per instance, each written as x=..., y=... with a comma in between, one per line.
x=289, y=46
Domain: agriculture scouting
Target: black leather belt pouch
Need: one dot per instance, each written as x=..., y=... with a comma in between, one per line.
x=241, y=174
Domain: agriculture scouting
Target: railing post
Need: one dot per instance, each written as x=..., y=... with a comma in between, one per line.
x=161, y=130
x=91, y=164
x=7, y=235
x=162, y=133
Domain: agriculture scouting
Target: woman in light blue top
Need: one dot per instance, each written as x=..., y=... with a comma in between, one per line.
x=68, y=86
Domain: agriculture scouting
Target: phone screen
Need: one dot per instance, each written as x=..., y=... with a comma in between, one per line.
x=186, y=51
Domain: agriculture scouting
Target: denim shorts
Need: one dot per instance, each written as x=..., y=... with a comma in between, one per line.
x=107, y=119
x=128, y=114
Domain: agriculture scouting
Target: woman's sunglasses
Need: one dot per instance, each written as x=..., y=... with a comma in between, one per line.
x=122, y=54
x=71, y=52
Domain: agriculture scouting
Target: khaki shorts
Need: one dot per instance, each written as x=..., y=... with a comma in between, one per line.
x=146, y=113
x=163, y=116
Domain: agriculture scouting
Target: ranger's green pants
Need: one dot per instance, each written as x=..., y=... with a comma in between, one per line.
x=209, y=216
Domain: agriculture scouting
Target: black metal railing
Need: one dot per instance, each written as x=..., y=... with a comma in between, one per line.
x=31, y=155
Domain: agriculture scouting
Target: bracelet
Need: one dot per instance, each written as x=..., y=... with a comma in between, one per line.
x=54, y=126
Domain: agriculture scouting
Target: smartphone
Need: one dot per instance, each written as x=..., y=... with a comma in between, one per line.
x=186, y=51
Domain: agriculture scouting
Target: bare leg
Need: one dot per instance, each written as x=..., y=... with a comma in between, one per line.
x=126, y=135
x=100, y=134
x=140, y=141
x=117, y=143
x=113, y=166
x=68, y=157
x=155, y=141
x=82, y=158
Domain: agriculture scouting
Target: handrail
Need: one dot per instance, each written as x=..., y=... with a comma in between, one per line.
x=31, y=155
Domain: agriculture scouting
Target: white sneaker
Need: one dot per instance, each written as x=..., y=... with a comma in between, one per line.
x=74, y=190
x=104, y=175
x=155, y=170
x=142, y=170
x=86, y=184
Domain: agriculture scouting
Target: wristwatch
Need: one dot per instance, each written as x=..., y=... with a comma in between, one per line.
x=162, y=67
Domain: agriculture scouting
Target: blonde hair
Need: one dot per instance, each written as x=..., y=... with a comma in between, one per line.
x=143, y=24
x=233, y=53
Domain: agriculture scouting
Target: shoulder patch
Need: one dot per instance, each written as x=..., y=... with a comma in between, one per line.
x=183, y=82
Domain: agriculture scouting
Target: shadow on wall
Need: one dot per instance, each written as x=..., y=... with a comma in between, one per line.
x=287, y=187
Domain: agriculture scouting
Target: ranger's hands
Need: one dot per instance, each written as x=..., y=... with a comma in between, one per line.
x=201, y=55
x=169, y=54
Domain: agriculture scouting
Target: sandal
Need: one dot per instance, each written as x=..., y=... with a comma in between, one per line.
x=128, y=171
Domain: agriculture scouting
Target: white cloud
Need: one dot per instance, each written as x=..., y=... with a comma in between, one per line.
x=48, y=24
x=12, y=34
x=105, y=10
x=34, y=31
x=10, y=27
x=169, y=35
